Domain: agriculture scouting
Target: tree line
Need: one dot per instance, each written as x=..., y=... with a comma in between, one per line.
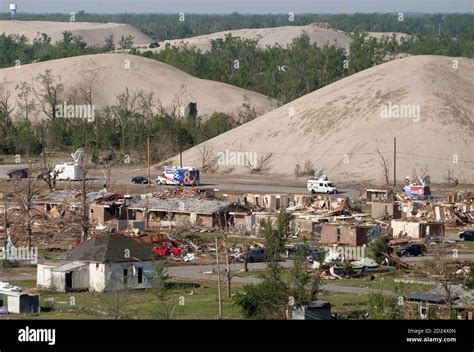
x=121, y=127
x=287, y=73
x=18, y=50
x=168, y=26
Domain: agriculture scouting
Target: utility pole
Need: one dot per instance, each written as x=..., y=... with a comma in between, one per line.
x=394, y=162
x=218, y=281
x=148, y=159
x=180, y=154
x=42, y=146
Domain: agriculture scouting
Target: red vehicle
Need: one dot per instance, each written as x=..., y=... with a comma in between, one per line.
x=166, y=251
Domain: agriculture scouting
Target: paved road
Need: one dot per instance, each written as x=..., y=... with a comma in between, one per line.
x=253, y=186
x=226, y=183
x=209, y=272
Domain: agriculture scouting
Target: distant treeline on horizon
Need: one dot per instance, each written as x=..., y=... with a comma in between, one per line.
x=168, y=26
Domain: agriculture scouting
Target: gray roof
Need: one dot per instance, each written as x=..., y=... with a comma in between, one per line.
x=426, y=297
x=58, y=197
x=110, y=249
x=181, y=205
x=68, y=267
x=71, y=197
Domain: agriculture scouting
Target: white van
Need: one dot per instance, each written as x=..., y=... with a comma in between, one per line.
x=68, y=172
x=321, y=185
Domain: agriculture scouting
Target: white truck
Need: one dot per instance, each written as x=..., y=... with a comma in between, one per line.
x=71, y=171
x=321, y=185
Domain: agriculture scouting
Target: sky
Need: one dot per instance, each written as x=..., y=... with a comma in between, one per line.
x=241, y=6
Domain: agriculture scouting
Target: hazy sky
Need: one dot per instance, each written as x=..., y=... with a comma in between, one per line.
x=242, y=6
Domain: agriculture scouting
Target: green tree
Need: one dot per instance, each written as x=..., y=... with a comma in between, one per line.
x=269, y=299
x=378, y=246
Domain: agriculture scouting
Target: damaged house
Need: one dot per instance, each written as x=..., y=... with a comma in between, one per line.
x=103, y=206
x=102, y=263
x=350, y=234
x=416, y=229
x=166, y=212
x=385, y=210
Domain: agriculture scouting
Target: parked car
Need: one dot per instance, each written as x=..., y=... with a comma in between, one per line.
x=310, y=253
x=467, y=235
x=142, y=180
x=166, y=251
x=18, y=173
x=411, y=250
x=253, y=255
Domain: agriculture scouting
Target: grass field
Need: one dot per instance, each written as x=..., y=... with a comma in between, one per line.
x=185, y=301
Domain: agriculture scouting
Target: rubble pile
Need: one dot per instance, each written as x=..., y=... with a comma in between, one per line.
x=182, y=192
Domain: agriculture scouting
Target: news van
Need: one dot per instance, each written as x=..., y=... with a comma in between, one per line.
x=321, y=185
x=179, y=176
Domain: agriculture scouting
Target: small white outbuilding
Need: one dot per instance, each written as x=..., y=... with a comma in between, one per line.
x=102, y=263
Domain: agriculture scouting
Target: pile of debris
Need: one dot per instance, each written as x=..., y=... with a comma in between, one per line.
x=181, y=192
x=321, y=205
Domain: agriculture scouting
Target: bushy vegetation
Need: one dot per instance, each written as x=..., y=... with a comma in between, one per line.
x=18, y=50
x=113, y=129
x=274, y=295
x=284, y=73
x=168, y=26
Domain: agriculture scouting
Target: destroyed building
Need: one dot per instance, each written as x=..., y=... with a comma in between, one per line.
x=173, y=211
x=102, y=263
x=416, y=229
x=350, y=234
x=103, y=205
x=385, y=210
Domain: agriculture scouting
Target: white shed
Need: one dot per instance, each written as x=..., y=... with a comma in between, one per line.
x=103, y=263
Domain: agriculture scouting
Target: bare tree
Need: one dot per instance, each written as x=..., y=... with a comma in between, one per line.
x=49, y=176
x=6, y=109
x=85, y=88
x=207, y=160
x=49, y=93
x=106, y=163
x=263, y=164
x=449, y=178
x=247, y=112
x=26, y=194
x=8, y=217
x=385, y=167
x=25, y=100
x=123, y=112
x=442, y=269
